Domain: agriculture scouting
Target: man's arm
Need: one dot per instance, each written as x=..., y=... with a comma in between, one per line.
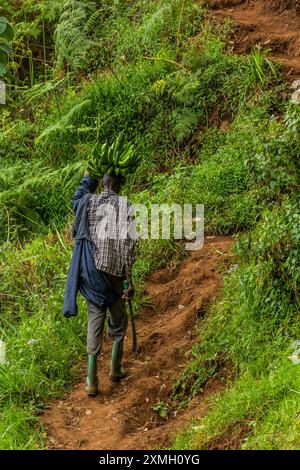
x=128, y=249
x=129, y=252
x=129, y=246
x=87, y=185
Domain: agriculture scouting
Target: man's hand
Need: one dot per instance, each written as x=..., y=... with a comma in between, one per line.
x=128, y=293
x=86, y=173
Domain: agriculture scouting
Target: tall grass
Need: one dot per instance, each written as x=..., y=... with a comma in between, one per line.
x=205, y=123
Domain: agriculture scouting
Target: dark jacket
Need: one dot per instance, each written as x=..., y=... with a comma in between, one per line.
x=83, y=276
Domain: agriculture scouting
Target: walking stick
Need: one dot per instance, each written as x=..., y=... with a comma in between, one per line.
x=134, y=336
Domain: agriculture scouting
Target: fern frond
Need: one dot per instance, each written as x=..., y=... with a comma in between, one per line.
x=184, y=123
x=72, y=42
x=65, y=122
x=93, y=21
x=39, y=90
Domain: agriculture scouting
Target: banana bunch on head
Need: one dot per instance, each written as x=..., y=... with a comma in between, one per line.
x=118, y=159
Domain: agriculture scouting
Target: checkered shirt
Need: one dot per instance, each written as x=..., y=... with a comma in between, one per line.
x=109, y=217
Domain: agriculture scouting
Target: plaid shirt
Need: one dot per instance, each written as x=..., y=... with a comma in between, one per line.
x=109, y=216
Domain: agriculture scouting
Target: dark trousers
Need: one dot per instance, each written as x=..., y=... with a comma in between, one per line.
x=117, y=325
x=117, y=320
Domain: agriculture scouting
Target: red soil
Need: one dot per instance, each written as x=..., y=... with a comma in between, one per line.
x=270, y=24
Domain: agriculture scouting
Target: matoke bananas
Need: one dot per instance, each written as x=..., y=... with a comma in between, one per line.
x=119, y=159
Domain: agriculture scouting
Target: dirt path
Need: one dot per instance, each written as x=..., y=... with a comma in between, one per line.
x=121, y=417
x=272, y=24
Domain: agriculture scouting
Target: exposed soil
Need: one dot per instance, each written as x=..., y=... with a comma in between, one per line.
x=269, y=24
x=231, y=438
x=121, y=416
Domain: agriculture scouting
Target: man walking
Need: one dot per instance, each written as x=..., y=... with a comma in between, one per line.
x=102, y=259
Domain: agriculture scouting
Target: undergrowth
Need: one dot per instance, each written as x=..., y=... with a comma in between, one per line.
x=257, y=320
x=208, y=126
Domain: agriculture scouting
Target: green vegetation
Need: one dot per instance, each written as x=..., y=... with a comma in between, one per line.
x=6, y=35
x=258, y=317
x=209, y=127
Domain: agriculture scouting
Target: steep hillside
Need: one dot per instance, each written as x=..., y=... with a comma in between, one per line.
x=271, y=24
x=212, y=127
x=134, y=414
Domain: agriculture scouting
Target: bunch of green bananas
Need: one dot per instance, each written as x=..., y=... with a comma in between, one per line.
x=119, y=159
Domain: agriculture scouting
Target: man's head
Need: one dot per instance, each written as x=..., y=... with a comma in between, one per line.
x=113, y=182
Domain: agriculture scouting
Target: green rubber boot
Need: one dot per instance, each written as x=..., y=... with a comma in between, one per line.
x=92, y=378
x=117, y=372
